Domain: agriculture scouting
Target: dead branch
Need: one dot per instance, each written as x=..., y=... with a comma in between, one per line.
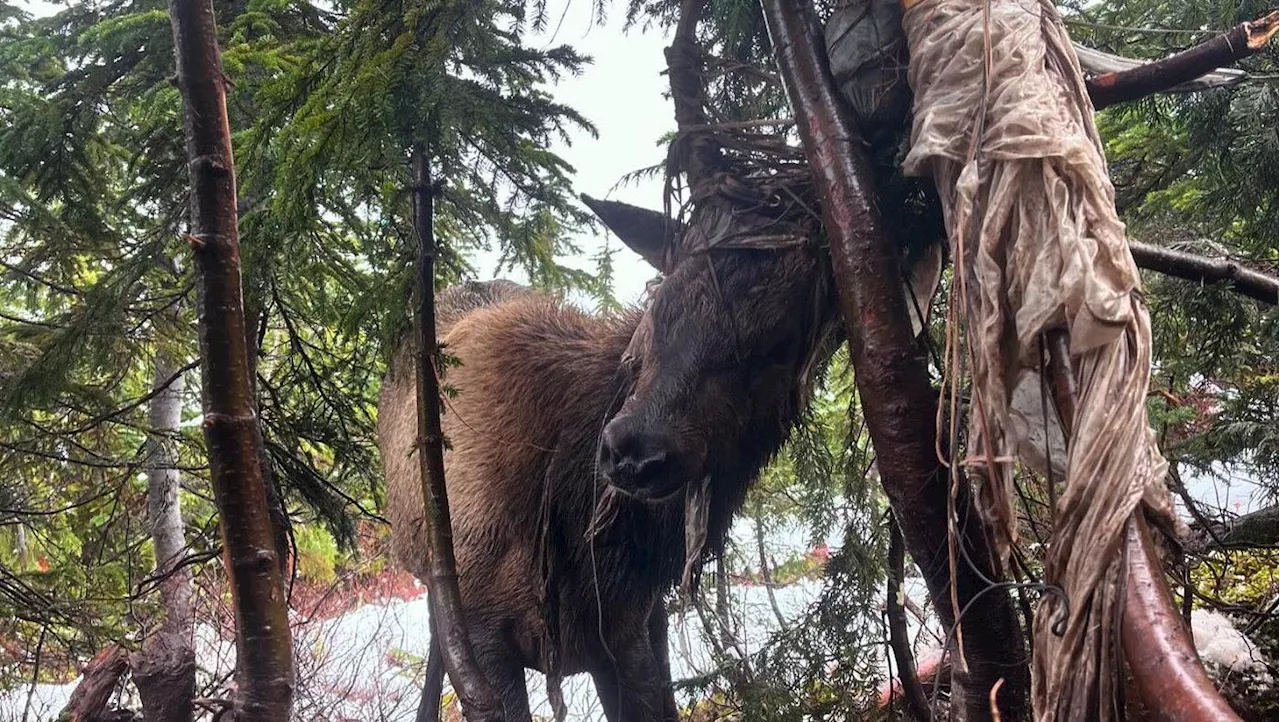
x=893, y=385
x=1165, y=667
x=88, y=703
x=479, y=702
x=263, y=642
x=1096, y=62
x=912, y=692
x=1200, y=269
x=1162, y=75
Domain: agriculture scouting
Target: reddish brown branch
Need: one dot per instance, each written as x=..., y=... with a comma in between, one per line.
x=1239, y=42
x=893, y=384
x=1165, y=667
x=1163, y=661
x=1206, y=270
x=912, y=692
x=263, y=644
x=479, y=702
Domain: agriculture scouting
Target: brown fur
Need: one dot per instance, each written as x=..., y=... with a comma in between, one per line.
x=730, y=344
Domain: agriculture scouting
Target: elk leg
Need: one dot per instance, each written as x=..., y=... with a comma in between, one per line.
x=661, y=655
x=632, y=690
x=508, y=681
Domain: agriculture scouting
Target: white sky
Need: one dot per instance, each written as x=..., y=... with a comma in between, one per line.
x=621, y=93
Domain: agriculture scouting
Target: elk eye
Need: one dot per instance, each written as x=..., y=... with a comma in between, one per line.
x=631, y=365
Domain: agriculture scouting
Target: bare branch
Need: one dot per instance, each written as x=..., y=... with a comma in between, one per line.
x=1168, y=73
x=917, y=701
x=1191, y=267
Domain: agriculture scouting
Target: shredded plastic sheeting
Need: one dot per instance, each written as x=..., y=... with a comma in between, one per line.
x=1004, y=126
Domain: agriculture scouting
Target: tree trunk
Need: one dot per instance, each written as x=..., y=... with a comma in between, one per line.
x=479, y=703
x=264, y=650
x=893, y=385
x=165, y=670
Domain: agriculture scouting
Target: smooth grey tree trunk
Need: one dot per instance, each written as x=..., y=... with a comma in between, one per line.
x=165, y=670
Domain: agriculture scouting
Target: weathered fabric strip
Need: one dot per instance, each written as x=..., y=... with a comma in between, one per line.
x=1004, y=125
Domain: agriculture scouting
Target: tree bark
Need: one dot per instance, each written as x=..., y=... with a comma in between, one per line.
x=1239, y=42
x=912, y=692
x=264, y=650
x=165, y=670
x=1199, y=269
x=474, y=691
x=891, y=377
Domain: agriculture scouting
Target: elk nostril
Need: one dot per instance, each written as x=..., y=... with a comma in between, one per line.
x=631, y=455
x=648, y=465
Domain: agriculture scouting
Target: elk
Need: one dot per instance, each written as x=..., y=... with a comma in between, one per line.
x=580, y=445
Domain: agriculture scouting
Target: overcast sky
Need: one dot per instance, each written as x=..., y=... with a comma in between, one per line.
x=621, y=92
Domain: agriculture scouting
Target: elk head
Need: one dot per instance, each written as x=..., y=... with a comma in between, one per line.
x=721, y=362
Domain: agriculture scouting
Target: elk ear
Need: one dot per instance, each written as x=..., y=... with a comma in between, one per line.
x=649, y=233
